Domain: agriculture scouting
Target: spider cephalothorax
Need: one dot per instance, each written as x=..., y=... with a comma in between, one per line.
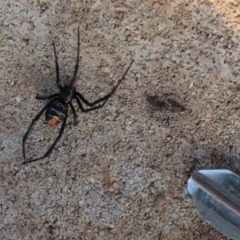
x=56, y=110
x=66, y=93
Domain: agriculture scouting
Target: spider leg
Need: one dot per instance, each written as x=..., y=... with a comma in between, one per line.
x=54, y=143
x=89, y=109
x=80, y=96
x=105, y=98
x=74, y=114
x=77, y=63
x=57, y=68
x=49, y=97
x=33, y=121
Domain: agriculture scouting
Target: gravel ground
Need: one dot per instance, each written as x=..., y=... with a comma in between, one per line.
x=121, y=173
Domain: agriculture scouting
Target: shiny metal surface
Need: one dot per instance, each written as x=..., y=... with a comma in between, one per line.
x=216, y=196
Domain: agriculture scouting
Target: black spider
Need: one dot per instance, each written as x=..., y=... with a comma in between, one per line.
x=57, y=108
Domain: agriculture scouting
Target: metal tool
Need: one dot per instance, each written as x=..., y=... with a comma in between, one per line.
x=216, y=196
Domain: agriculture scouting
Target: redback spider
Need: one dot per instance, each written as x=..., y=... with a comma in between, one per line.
x=57, y=108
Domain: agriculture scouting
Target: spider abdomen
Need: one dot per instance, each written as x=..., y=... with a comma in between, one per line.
x=56, y=113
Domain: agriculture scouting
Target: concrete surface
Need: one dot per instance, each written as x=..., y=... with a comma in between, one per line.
x=122, y=172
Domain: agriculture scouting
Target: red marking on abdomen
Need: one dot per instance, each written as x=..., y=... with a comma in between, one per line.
x=53, y=120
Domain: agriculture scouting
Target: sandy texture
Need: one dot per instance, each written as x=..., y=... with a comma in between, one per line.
x=122, y=172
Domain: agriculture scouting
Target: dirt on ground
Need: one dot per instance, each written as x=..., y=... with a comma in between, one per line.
x=122, y=172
